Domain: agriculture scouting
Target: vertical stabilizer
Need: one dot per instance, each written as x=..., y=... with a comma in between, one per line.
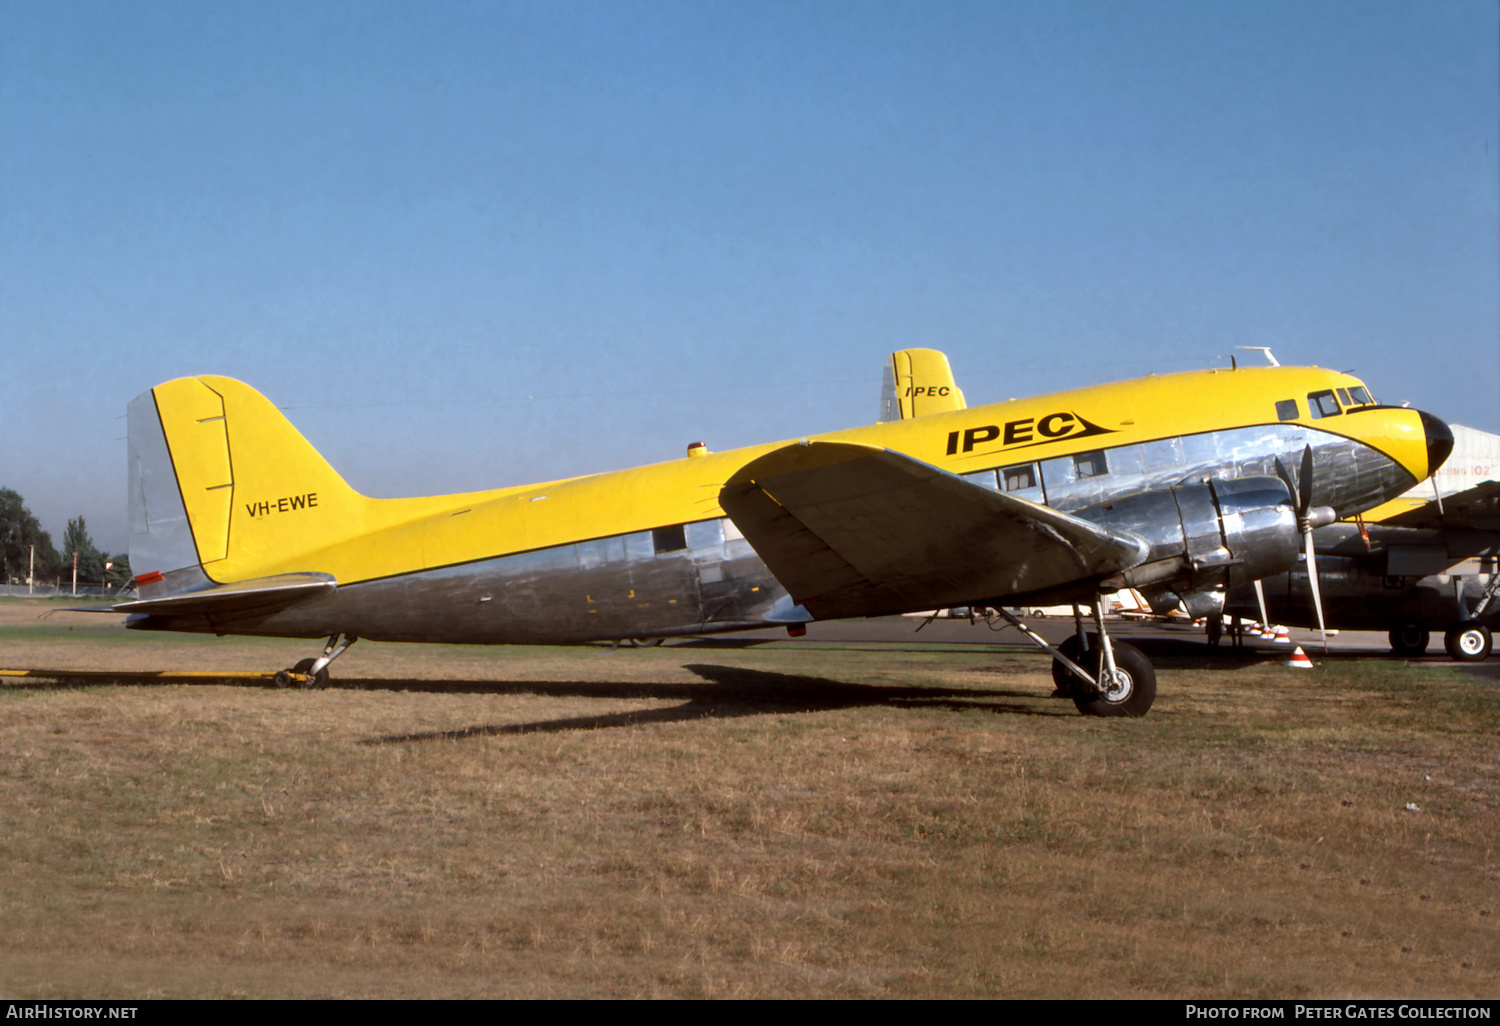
x=918, y=382
x=219, y=479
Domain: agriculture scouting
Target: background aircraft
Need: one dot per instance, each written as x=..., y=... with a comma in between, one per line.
x=1426, y=561
x=1178, y=485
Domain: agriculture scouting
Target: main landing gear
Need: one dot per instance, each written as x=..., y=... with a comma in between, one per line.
x=313, y=673
x=1103, y=678
x=1467, y=641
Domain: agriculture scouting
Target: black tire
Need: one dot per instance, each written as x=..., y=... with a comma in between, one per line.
x=1140, y=681
x=305, y=666
x=283, y=679
x=1215, y=628
x=1469, y=641
x=1063, y=677
x=1409, y=640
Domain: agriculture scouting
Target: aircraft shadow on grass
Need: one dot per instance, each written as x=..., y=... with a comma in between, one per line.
x=736, y=692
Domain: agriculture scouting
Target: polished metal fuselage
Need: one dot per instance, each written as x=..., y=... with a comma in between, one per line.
x=704, y=577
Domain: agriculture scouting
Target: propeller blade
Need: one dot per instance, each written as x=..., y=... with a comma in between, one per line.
x=1291, y=486
x=1260, y=596
x=1304, y=499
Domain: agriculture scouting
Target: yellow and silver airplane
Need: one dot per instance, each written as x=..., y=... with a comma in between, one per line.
x=1176, y=484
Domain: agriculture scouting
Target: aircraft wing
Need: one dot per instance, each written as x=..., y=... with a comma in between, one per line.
x=264, y=594
x=1477, y=507
x=857, y=530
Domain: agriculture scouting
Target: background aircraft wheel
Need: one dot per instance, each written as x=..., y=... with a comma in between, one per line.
x=1468, y=642
x=1409, y=640
x=1063, y=677
x=305, y=666
x=1133, y=691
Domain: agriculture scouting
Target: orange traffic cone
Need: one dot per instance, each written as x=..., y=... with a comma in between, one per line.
x=1281, y=636
x=1299, y=660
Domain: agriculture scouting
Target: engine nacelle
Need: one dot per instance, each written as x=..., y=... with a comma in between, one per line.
x=1203, y=539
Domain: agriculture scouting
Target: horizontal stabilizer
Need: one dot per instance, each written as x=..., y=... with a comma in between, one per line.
x=263, y=594
x=856, y=530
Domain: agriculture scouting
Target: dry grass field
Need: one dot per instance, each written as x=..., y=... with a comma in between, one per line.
x=722, y=820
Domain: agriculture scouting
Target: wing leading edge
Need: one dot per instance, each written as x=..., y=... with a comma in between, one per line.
x=857, y=530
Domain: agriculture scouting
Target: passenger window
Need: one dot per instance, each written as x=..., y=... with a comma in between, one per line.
x=669, y=539
x=705, y=534
x=1286, y=409
x=1323, y=404
x=1020, y=478
x=1091, y=464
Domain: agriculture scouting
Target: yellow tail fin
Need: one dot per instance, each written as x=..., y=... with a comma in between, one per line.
x=253, y=490
x=919, y=382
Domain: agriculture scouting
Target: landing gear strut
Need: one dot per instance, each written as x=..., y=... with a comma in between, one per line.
x=313, y=673
x=1468, y=640
x=1102, y=678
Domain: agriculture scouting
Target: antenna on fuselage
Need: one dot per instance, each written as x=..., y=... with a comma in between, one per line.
x=1262, y=349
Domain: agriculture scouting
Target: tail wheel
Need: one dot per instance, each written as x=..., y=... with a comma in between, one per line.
x=305, y=666
x=1468, y=642
x=1129, y=692
x=1409, y=640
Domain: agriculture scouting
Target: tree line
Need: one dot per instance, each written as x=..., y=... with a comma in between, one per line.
x=21, y=534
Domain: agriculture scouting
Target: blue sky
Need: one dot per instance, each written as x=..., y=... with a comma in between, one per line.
x=671, y=221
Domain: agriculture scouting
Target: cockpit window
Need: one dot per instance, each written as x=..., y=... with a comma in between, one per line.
x=1091, y=464
x=1286, y=409
x=1323, y=404
x=1344, y=397
x=1360, y=396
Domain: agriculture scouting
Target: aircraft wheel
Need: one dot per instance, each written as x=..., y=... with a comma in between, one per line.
x=1409, y=640
x=1468, y=642
x=305, y=666
x=283, y=679
x=1064, y=678
x=1130, y=693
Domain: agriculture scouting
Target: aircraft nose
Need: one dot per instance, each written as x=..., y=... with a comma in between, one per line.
x=1439, y=441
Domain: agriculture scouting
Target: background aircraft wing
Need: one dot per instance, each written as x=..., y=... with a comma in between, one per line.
x=1477, y=507
x=856, y=530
